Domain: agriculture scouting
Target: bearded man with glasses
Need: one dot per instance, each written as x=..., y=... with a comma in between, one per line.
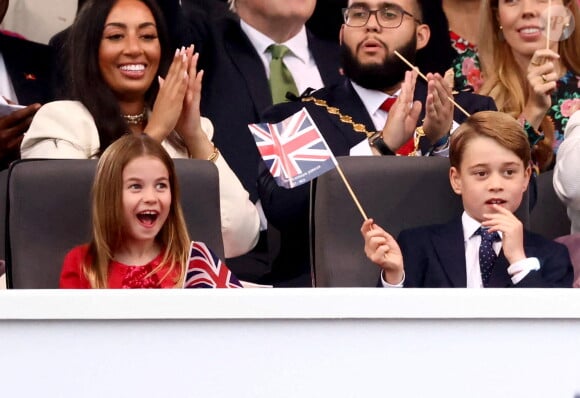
x=351, y=115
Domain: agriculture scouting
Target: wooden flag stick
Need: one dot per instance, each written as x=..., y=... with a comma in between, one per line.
x=425, y=77
x=549, y=24
x=349, y=188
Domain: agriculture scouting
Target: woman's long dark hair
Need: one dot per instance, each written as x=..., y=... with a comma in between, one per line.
x=85, y=81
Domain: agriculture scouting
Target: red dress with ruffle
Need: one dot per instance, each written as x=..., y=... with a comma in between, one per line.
x=121, y=276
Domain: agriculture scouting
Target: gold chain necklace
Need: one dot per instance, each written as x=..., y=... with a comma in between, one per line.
x=359, y=127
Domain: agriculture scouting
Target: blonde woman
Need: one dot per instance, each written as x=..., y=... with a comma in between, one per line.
x=535, y=84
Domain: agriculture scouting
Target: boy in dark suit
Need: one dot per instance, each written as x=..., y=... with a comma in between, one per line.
x=487, y=246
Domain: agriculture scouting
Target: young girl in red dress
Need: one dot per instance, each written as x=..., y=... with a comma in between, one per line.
x=139, y=237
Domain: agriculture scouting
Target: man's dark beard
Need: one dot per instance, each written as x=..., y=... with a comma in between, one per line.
x=378, y=76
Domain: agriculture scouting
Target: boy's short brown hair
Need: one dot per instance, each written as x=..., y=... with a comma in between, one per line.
x=499, y=126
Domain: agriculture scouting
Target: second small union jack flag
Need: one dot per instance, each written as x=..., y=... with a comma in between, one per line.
x=293, y=149
x=206, y=270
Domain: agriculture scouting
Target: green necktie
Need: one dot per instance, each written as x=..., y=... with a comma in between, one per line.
x=281, y=80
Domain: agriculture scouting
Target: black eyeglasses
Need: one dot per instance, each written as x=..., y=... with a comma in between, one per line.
x=388, y=17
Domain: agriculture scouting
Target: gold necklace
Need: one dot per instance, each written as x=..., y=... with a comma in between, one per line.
x=134, y=119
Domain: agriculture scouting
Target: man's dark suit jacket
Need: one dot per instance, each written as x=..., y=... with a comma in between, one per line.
x=434, y=256
x=29, y=66
x=287, y=209
x=235, y=85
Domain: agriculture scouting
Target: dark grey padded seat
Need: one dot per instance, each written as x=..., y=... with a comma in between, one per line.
x=397, y=192
x=3, y=198
x=549, y=217
x=49, y=213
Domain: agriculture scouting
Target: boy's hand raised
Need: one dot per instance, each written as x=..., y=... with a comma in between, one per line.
x=382, y=249
x=512, y=229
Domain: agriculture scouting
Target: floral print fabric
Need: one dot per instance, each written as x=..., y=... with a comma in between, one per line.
x=466, y=68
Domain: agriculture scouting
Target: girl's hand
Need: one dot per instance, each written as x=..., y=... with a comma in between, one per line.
x=189, y=123
x=542, y=76
x=169, y=101
x=382, y=249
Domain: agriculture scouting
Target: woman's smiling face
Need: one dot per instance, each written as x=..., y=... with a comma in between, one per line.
x=130, y=52
x=523, y=24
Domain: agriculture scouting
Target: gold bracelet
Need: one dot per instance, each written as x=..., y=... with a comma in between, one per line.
x=214, y=155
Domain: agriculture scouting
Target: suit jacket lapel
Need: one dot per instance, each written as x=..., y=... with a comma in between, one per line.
x=343, y=97
x=245, y=58
x=23, y=71
x=450, y=250
x=499, y=275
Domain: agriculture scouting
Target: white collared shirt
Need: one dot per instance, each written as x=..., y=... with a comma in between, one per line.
x=299, y=59
x=372, y=101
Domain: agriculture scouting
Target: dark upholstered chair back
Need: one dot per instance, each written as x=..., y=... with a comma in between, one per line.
x=3, y=203
x=397, y=192
x=49, y=213
x=549, y=217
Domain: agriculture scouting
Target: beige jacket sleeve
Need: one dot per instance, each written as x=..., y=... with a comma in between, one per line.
x=239, y=216
x=61, y=130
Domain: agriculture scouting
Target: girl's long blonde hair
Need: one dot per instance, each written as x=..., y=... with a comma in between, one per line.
x=107, y=211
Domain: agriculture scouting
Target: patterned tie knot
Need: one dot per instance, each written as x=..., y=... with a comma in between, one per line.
x=388, y=103
x=278, y=51
x=488, y=236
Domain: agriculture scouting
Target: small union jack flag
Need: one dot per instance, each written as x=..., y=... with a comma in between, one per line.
x=294, y=150
x=206, y=270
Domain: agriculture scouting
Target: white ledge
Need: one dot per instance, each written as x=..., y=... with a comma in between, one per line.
x=349, y=303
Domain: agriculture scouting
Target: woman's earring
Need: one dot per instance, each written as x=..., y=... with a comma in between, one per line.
x=565, y=32
x=500, y=35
